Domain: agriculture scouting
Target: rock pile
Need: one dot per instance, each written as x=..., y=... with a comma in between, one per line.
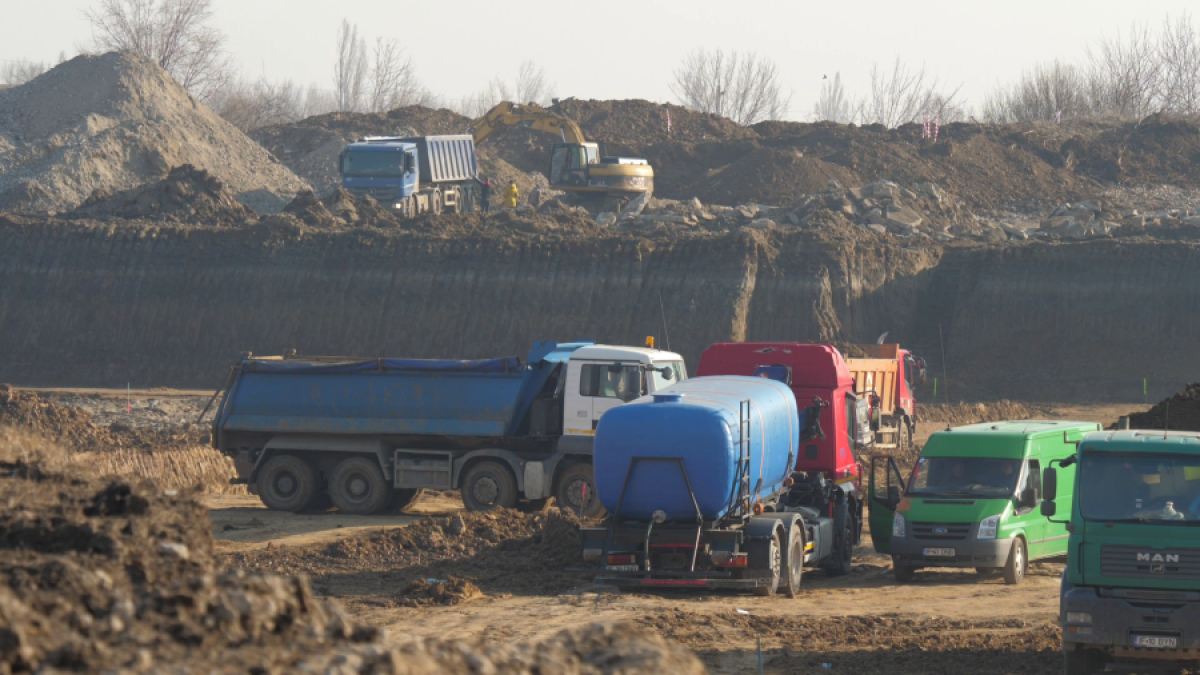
x=1181, y=412
x=186, y=195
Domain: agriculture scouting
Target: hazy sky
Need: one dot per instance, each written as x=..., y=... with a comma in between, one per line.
x=621, y=49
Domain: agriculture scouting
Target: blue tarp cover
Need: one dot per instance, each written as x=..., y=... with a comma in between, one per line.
x=509, y=364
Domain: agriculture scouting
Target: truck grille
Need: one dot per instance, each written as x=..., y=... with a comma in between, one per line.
x=941, y=531
x=383, y=195
x=1181, y=564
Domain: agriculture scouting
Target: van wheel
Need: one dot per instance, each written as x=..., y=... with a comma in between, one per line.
x=489, y=485
x=1083, y=662
x=904, y=573
x=793, y=560
x=766, y=556
x=287, y=483
x=1018, y=563
x=576, y=492
x=357, y=487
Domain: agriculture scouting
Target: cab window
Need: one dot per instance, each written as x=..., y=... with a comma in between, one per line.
x=851, y=421
x=604, y=381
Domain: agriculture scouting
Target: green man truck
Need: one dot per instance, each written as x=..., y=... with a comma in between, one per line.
x=1131, y=588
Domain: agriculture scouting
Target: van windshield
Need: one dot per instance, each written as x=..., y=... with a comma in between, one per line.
x=1139, y=487
x=983, y=477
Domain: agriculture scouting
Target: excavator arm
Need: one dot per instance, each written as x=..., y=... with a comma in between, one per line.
x=508, y=114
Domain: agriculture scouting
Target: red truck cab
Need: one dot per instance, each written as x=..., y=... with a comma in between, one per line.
x=815, y=370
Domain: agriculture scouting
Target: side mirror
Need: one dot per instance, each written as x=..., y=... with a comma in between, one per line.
x=667, y=373
x=1049, y=509
x=893, y=495
x=1028, y=497
x=1050, y=484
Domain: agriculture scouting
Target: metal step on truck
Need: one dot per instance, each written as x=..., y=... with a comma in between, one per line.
x=368, y=434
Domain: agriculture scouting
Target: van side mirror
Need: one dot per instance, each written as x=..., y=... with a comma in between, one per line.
x=893, y=495
x=1049, y=509
x=1049, y=484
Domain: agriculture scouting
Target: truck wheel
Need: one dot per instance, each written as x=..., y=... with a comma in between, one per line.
x=577, y=492
x=287, y=483
x=1082, y=662
x=489, y=485
x=357, y=487
x=437, y=203
x=766, y=556
x=904, y=573
x=842, y=560
x=1018, y=563
x=403, y=498
x=793, y=560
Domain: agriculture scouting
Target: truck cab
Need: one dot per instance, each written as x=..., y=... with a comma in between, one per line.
x=602, y=377
x=813, y=371
x=1131, y=588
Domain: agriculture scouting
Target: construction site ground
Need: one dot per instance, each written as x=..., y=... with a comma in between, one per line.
x=948, y=621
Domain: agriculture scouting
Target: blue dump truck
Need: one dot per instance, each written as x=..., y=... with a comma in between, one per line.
x=699, y=481
x=412, y=176
x=369, y=434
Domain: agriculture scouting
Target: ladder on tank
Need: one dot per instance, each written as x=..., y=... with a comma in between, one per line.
x=739, y=501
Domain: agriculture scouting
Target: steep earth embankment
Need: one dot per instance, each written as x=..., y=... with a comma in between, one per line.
x=84, y=304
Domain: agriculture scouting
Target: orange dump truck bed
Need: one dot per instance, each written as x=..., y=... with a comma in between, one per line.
x=879, y=373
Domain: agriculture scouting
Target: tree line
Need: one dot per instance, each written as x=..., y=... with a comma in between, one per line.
x=1145, y=70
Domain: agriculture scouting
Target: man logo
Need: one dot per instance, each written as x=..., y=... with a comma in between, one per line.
x=1158, y=558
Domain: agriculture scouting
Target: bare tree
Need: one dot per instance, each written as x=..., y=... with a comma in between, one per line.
x=530, y=86
x=904, y=94
x=175, y=34
x=743, y=87
x=834, y=105
x=1040, y=95
x=393, y=80
x=1126, y=74
x=1179, y=50
x=251, y=105
x=350, y=69
x=20, y=71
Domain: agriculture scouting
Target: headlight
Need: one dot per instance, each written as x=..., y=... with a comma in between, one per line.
x=898, y=526
x=1079, y=617
x=988, y=527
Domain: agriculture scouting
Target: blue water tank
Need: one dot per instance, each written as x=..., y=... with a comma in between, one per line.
x=697, y=421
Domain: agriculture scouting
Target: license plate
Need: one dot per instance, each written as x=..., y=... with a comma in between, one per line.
x=622, y=568
x=1155, y=641
x=939, y=552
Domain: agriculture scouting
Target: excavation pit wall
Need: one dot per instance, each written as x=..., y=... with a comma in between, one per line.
x=87, y=304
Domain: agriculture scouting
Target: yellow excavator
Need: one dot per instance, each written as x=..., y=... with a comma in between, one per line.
x=576, y=166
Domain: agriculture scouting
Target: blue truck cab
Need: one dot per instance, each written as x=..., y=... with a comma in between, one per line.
x=365, y=434
x=413, y=175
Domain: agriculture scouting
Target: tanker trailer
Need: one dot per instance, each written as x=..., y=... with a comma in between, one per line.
x=698, y=479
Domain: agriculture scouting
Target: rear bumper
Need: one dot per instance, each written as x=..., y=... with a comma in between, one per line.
x=1116, y=622
x=967, y=552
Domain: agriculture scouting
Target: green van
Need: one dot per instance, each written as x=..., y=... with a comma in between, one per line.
x=972, y=499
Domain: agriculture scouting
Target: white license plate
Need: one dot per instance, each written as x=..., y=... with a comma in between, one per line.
x=1155, y=641
x=622, y=568
x=939, y=552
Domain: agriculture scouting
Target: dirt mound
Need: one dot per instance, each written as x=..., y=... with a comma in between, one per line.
x=311, y=147
x=1180, y=412
x=770, y=176
x=452, y=591
x=501, y=550
x=186, y=195
x=958, y=414
x=76, y=430
x=115, y=122
x=636, y=123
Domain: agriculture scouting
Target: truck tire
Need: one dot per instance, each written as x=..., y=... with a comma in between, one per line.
x=793, y=560
x=766, y=556
x=1017, y=564
x=489, y=485
x=842, y=560
x=576, y=492
x=287, y=483
x=904, y=573
x=1082, y=662
x=437, y=203
x=357, y=487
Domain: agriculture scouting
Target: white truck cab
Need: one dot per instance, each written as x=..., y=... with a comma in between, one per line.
x=602, y=377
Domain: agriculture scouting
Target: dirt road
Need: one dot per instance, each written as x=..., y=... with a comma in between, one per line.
x=946, y=622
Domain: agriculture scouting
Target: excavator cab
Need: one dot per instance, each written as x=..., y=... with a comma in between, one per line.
x=569, y=163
